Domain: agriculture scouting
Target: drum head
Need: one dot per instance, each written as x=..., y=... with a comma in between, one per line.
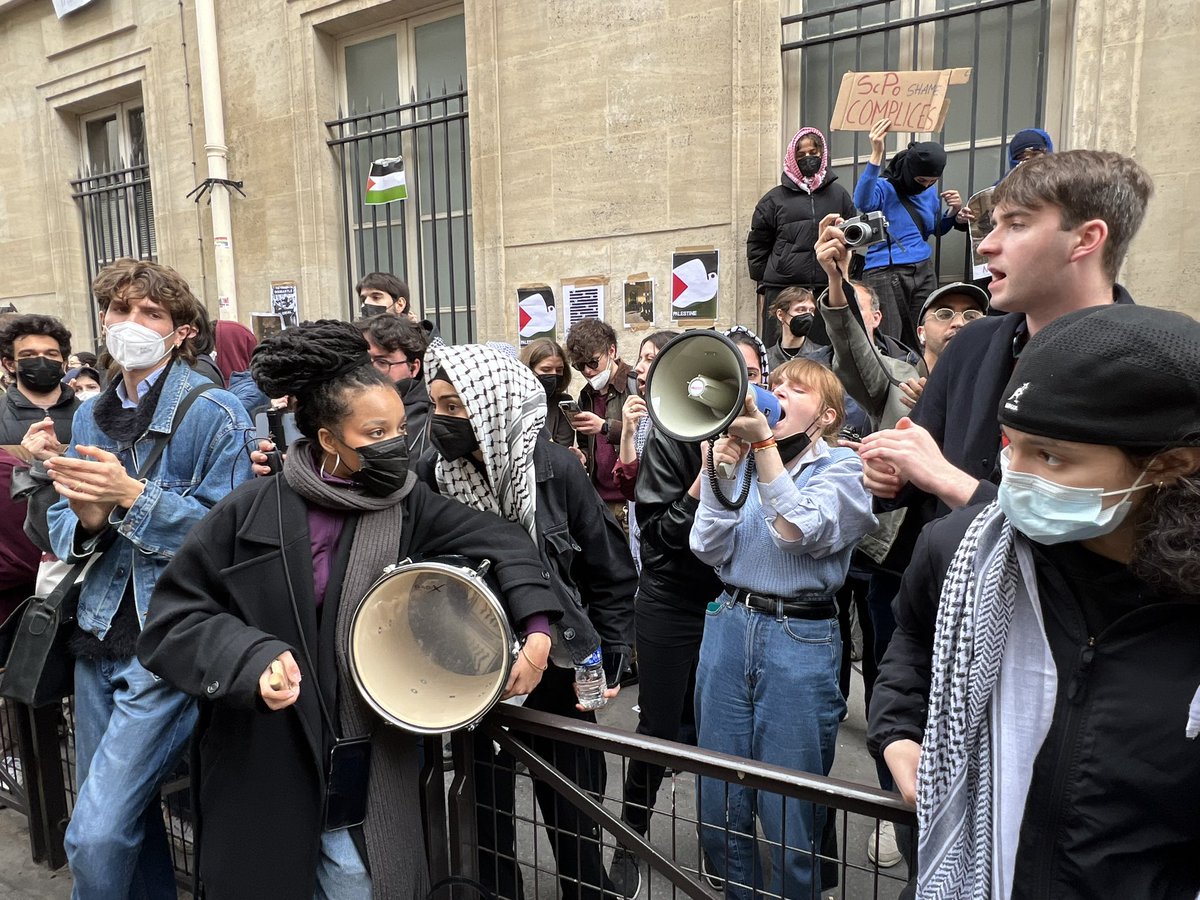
x=430, y=647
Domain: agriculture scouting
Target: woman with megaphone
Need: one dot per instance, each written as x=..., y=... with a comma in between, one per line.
x=782, y=557
x=303, y=789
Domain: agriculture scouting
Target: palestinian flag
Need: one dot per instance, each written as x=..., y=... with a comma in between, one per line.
x=386, y=181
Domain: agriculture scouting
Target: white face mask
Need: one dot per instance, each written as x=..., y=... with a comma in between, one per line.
x=135, y=346
x=90, y=392
x=1052, y=513
x=600, y=382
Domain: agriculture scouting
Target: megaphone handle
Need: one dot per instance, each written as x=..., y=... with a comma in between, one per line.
x=743, y=494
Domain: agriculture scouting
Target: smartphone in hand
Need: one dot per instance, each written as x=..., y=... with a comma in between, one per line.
x=569, y=407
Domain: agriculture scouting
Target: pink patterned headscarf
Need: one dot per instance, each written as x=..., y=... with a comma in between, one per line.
x=792, y=170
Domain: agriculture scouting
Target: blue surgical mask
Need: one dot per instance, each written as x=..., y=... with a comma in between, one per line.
x=1052, y=513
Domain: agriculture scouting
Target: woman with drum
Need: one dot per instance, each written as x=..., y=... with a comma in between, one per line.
x=487, y=430
x=302, y=790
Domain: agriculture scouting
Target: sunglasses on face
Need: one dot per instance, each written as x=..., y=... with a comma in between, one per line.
x=946, y=314
x=593, y=363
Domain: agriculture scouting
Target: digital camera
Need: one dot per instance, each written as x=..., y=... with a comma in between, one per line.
x=865, y=230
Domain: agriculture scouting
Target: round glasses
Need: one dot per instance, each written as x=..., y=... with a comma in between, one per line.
x=946, y=314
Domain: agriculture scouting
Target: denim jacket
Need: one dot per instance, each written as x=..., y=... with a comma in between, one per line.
x=202, y=462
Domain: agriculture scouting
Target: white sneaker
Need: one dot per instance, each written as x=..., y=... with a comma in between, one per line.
x=889, y=854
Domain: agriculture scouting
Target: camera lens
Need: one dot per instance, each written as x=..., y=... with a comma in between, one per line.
x=855, y=233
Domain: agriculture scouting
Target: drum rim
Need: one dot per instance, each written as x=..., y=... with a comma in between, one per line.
x=446, y=568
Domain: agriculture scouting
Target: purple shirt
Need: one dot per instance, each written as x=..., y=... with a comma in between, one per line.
x=606, y=456
x=324, y=529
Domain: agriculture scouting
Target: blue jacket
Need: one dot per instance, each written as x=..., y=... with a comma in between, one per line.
x=908, y=244
x=201, y=463
x=242, y=386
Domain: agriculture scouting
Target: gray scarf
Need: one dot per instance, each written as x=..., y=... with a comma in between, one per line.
x=954, y=776
x=395, y=843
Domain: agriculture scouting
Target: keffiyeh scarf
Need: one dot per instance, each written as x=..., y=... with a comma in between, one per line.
x=954, y=776
x=507, y=406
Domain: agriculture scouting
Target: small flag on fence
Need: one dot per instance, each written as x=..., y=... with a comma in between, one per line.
x=386, y=181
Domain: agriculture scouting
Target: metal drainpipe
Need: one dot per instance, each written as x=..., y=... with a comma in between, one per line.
x=215, y=149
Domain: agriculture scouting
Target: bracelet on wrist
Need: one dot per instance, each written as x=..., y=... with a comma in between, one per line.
x=764, y=444
x=532, y=663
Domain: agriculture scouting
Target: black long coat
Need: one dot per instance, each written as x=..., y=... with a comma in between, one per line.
x=218, y=617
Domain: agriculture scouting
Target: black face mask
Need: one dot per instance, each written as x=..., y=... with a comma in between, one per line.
x=371, y=309
x=384, y=467
x=403, y=386
x=39, y=374
x=550, y=383
x=809, y=165
x=452, y=437
x=793, y=446
x=800, y=325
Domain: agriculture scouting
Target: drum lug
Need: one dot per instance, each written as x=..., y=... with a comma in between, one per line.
x=483, y=568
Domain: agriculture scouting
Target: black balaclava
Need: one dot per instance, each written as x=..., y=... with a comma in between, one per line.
x=922, y=159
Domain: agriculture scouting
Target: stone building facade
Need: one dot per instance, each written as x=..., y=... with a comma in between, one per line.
x=603, y=135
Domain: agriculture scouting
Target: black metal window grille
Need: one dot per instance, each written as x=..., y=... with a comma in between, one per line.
x=1006, y=42
x=425, y=239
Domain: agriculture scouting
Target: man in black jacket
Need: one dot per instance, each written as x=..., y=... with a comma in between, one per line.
x=398, y=350
x=33, y=349
x=1063, y=224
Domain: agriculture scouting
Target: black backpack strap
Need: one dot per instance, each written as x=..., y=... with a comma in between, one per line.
x=161, y=440
x=912, y=211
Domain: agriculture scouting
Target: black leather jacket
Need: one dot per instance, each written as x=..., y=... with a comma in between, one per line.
x=671, y=574
x=585, y=551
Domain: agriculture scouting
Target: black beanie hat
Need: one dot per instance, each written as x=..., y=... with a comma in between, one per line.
x=922, y=159
x=1121, y=375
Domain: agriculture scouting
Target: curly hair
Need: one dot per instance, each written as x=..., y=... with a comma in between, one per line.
x=31, y=323
x=394, y=333
x=588, y=338
x=320, y=364
x=136, y=279
x=1167, y=551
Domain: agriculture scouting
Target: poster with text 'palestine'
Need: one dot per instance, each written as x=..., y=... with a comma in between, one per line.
x=695, y=281
x=536, y=316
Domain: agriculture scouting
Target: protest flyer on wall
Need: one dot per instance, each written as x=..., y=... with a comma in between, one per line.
x=265, y=324
x=914, y=101
x=695, y=280
x=385, y=181
x=639, y=302
x=583, y=298
x=981, y=226
x=536, y=315
x=285, y=302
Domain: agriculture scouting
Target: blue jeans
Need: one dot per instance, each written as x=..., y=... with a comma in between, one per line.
x=341, y=874
x=130, y=731
x=766, y=689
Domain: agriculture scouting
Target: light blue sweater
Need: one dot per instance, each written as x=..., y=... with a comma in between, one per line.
x=908, y=244
x=822, y=494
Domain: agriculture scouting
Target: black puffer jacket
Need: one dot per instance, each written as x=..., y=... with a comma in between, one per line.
x=779, y=248
x=1111, y=808
x=17, y=413
x=671, y=573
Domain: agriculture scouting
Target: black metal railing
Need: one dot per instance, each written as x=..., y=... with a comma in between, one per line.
x=116, y=208
x=1006, y=42
x=545, y=855
x=426, y=238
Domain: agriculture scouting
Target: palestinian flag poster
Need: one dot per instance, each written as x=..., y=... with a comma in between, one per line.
x=386, y=181
x=695, y=281
x=536, y=315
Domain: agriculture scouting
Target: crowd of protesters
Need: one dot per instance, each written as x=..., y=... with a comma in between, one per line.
x=1004, y=481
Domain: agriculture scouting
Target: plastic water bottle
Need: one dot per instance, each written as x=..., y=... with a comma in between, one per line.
x=589, y=679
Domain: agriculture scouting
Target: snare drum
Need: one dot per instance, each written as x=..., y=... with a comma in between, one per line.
x=431, y=647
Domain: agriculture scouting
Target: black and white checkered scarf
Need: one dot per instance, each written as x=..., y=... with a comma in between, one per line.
x=507, y=406
x=954, y=777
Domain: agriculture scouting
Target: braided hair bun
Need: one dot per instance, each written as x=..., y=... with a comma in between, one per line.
x=315, y=362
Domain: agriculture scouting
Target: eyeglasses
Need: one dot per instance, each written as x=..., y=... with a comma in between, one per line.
x=383, y=364
x=593, y=363
x=946, y=314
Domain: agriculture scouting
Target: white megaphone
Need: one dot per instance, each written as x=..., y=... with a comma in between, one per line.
x=696, y=387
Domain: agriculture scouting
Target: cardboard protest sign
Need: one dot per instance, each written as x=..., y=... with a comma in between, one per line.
x=914, y=101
